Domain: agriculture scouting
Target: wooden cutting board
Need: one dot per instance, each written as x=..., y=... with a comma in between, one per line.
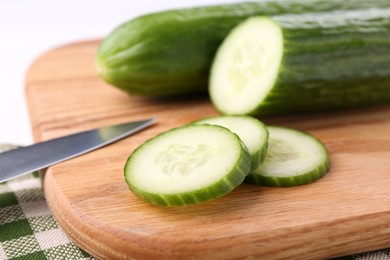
x=346, y=212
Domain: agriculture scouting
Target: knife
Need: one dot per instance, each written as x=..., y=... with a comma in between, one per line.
x=41, y=155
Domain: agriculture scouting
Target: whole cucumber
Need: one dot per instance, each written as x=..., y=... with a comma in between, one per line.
x=304, y=63
x=170, y=52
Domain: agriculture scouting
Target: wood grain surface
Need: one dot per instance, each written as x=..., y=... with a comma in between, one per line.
x=346, y=212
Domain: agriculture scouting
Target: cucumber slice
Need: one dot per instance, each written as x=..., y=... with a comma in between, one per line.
x=251, y=131
x=187, y=165
x=293, y=158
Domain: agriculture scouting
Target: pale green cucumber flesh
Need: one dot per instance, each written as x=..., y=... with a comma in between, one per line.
x=250, y=130
x=187, y=165
x=246, y=66
x=293, y=158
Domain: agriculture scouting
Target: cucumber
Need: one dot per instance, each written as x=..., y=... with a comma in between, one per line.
x=304, y=63
x=170, y=52
x=187, y=165
x=293, y=158
x=251, y=131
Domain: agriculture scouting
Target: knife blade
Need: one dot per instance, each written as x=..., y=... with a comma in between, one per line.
x=41, y=155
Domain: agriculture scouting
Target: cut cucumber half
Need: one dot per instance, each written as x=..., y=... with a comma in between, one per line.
x=251, y=131
x=293, y=158
x=303, y=63
x=187, y=165
x=246, y=66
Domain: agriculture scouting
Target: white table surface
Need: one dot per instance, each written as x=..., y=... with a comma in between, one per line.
x=28, y=28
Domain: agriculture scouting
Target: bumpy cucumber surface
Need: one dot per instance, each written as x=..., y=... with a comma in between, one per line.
x=293, y=158
x=170, y=52
x=187, y=165
x=304, y=63
x=251, y=131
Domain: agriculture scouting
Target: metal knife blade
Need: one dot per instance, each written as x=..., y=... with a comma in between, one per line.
x=41, y=155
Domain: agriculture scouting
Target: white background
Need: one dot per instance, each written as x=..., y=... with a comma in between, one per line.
x=29, y=28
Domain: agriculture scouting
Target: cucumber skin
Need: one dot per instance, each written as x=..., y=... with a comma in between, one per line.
x=170, y=52
x=258, y=158
x=214, y=191
x=343, y=66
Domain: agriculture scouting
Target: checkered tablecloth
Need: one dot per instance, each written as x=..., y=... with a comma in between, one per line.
x=27, y=228
x=29, y=231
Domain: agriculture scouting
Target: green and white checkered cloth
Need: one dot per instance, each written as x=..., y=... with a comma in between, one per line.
x=27, y=228
x=29, y=231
